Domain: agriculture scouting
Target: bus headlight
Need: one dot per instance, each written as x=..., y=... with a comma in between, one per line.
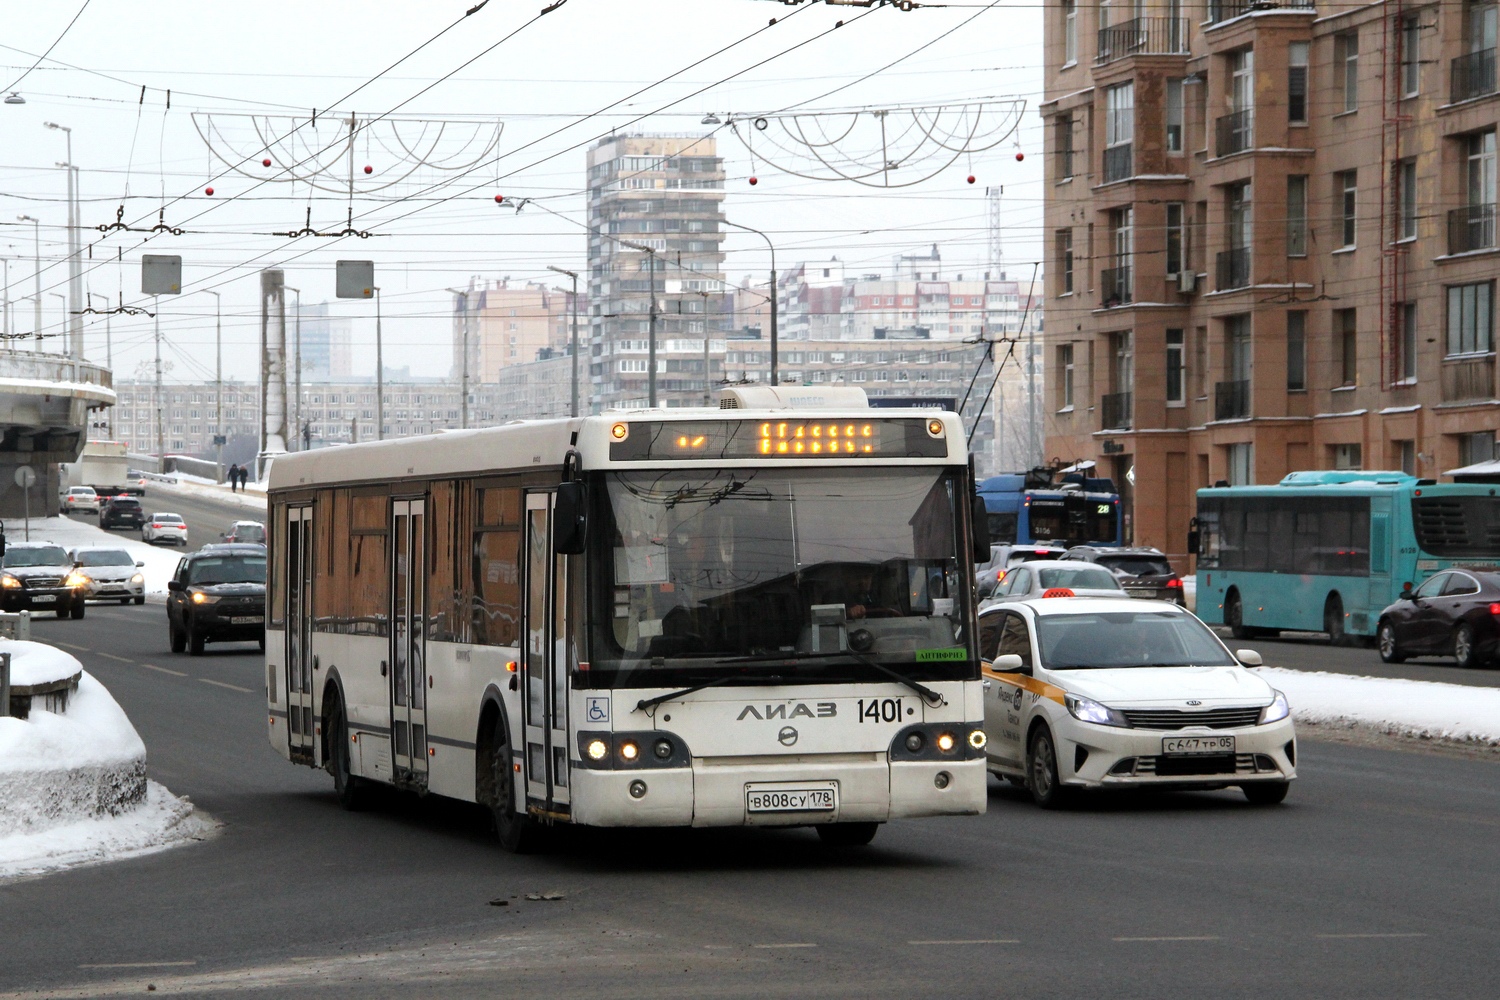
x=1088, y=710
x=945, y=742
x=597, y=749
x=629, y=750
x=977, y=739
x=1276, y=711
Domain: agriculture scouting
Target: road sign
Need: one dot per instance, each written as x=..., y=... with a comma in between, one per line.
x=355, y=279
x=220, y=439
x=161, y=274
x=25, y=477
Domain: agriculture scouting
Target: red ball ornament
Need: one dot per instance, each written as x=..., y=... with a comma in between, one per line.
x=754, y=181
x=971, y=178
x=1020, y=157
x=266, y=162
x=208, y=191
x=499, y=198
x=369, y=169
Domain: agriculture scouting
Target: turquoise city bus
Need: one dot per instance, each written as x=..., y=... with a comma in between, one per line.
x=1328, y=551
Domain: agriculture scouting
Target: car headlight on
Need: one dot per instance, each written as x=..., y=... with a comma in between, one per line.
x=1088, y=710
x=76, y=579
x=9, y=582
x=199, y=597
x=1276, y=711
x=138, y=578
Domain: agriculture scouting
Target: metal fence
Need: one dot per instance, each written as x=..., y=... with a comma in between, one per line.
x=1473, y=75
x=1142, y=36
x=1471, y=228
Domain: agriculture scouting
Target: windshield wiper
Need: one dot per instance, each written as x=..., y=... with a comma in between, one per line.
x=928, y=694
x=646, y=703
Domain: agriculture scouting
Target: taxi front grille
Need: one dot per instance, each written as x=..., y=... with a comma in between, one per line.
x=1215, y=718
x=1189, y=765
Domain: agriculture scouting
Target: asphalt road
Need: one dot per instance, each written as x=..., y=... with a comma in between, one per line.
x=1311, y=651
x=1378, y=877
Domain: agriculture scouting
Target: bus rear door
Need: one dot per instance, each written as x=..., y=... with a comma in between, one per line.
x=545, y=661
x=408, y=639
x=298, y=547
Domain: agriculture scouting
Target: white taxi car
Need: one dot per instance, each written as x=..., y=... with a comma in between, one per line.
x=1097, y=693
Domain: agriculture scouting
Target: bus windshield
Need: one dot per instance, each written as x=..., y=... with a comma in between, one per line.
x=703, y=567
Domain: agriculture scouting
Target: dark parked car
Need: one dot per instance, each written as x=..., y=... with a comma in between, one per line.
x=1143, y=571
x=122, y=512
x=1003, y=558
x=1453, y=613
x=218, y=594
x=39, y=576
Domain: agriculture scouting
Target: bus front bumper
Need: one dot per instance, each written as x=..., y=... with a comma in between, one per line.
x=716, y=792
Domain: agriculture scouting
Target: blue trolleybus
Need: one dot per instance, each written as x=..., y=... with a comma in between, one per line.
x=1328, y=551
x=1026, y=508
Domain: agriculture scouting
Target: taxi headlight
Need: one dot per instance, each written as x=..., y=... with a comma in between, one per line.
x=9, y=582
x=1276, y=711
x=138, y=578
x=1088, y=710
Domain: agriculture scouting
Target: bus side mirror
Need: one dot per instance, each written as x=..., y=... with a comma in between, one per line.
x=980, y=530
x=1192, y=542
x=570, y=519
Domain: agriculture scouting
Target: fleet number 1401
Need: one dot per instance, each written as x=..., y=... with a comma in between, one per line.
x=880, y=710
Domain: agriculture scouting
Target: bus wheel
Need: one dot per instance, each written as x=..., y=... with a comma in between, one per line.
x=1333, y=621
x=1234, y=617
x=1464, y=650
x=847, y=834
x=351, y=791
x=518, y=832
x=1390, y=650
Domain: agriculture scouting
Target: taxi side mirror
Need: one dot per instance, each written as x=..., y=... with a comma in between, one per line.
x=1010, y=663
x=1248, y=657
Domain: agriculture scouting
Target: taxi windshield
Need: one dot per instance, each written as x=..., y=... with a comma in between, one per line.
x=1114, y=639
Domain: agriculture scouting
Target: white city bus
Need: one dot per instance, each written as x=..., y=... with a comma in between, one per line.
x=647, y=618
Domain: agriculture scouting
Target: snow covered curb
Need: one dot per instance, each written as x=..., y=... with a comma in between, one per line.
x=253, y=499
x=1427, y=710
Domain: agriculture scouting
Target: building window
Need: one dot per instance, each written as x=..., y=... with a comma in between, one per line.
x=1175, y=258
x=1174, y=366
x=1408, y=341
x=1345, y=187
x=1200, y=362
x=1063, y=135
x=1346, y=62
x=1475, y=448
x=1065, y=365
x=1119, y=131
x=1296, y=82
x=1348, y=346
x=1065, y=259
x=1406, y=190
x=1348, y=456
x=1481, y=178
x=1296, y=350
x=1470, y=309
x=1070, y=32
x=1174, y=115
x=1406, y=456
x=1411, y=55
x=1240, y=462
x=1296, y=215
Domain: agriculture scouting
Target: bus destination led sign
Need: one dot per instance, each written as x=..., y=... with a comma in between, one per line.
x=632, y=441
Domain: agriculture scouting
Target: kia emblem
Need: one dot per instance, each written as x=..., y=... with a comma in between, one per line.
x=1195, y=702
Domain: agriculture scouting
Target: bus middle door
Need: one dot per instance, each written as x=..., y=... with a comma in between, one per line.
x=298, y=567
x=545, y=662
x=408, y=650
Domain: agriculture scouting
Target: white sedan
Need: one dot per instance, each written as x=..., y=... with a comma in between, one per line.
x=1059, y=578
x=81, y=498
x=168, y=528
x=1087, y=693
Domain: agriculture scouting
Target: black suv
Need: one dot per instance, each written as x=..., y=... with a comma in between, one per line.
x=122, y=512
x=218, y=594
x=1143, y=571
x=38, y=576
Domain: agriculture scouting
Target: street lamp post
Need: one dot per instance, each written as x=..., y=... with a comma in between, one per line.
x=5, y=262
x=36, y=258
x=63, y=326
x=573, y=410
x=772, y=289
x=218, y=385
x=161, y=430
x=75, y=328
x=297, y=365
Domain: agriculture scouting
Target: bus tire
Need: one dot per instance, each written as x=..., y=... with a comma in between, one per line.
x=1465, y=650
x=517, y=832
x=1234, y=616
x=1042, y=779
x=847, y=834
x=350, y=789
x=1333, y=621
x=1385, y=641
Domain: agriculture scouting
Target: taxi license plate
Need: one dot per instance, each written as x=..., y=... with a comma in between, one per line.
x=822, y=797
x=1197, y=744
x=250, y=620
x=43, y=598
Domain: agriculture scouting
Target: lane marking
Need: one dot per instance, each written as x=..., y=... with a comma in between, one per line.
x=783, y=946
x=1184, y=938
x=112, y=656
x=137, y=965
x=973, y=941
x=1349, y=937
x=232, y=687
x=174, y=673
x=69, y=645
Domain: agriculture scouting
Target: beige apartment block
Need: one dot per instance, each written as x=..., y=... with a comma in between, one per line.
x=509, y=324
x=1271, y=242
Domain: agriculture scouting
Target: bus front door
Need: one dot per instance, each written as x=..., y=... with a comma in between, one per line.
x=545, y=662
x=298, y=569
x=408, y=657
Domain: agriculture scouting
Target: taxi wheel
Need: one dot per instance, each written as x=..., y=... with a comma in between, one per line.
x=847, y=834
x=1047, y=789
x=1266, y=793
x=140, y=600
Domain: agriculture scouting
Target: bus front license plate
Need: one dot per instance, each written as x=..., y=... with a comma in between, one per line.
x=791, y=798
x=1197, y=744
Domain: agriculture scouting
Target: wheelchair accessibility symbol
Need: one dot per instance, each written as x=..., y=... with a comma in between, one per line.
x=598, y=709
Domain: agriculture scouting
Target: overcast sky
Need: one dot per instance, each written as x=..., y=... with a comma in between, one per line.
x=235, y=67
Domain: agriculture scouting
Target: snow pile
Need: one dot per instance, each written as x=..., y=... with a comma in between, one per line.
x=34, y=663
x=1424, y=709
x=70, y=534
x=253, y=499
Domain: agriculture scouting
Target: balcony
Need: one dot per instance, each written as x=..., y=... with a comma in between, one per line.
x=1115, y=285
x=1223, y=10
x=1468, y=380
x=1143, y=36
x=1232, y=399
x=1473, y=75
x=1235, y=132
x=1118, y=163
x=1233, y=269
x=1116, y=411
x=1471, y=228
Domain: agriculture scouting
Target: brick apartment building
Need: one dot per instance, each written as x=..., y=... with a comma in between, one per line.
x=1272, y=242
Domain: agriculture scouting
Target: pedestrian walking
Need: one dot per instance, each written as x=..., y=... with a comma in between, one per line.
x=244, y=477
x=234, y=476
